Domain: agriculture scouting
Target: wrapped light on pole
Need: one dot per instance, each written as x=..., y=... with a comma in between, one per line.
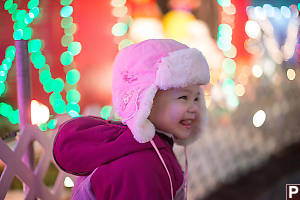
x=24, y=93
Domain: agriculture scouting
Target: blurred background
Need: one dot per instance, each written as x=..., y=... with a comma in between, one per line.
x=251, y=147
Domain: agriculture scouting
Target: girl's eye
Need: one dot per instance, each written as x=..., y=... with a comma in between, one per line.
x=183, y=97
x=196, y=99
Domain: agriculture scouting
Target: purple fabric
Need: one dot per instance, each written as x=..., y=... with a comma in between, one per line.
x=126, y=169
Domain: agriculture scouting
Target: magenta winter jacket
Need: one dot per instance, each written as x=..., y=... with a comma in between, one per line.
x=112, y=164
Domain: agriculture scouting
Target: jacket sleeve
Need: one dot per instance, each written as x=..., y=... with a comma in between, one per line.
x=76, y=147
x=137, y=176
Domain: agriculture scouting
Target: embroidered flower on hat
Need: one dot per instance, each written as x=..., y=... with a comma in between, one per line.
x=128, y=77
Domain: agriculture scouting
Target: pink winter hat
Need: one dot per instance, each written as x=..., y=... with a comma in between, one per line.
x=141, y=69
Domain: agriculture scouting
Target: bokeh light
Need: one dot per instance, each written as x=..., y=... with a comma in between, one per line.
x=291, y=74
x=119, y=29
x=257, y=71
x=252, y=29
x=259, y=118
x=73, y=76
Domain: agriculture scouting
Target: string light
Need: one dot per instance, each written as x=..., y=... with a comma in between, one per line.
x=259, y=118
x=291, y=74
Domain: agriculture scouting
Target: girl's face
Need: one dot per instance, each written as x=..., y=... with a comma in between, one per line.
x=176, y=110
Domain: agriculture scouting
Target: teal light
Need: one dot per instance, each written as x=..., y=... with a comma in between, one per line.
x=71, y=29
x=19, y=25
x=73, y=106
x=5, y=109
x=28, y=19
x=74, y=48
x=27, y=32
x=18, y=34
x=43, y=127
x=10, y=52
x=38, y=59
x=6, y=63
x=53, y=97
x=119, y=29
x=229, y=66
x=66, y=22
x=34, y=12
x=73, y=76
x=20, y=15
x=65, y=2
x=73, y=96
x=14, y=117
x=13, y=8
x=33, y=3
x=66, y=11
x=2, y=88
x=105, y=112
x=34, y=45
x=224, y=3
x=73, y=113
x=66, y=58
x=58, y=85
x=8, y=4
x=52, y=124
x=66, y=40
x=228, y=86
x=232, y=100
x=125, y=43
x=59, y=106
x=49, y=85
x=3, y=76
x=44, y=76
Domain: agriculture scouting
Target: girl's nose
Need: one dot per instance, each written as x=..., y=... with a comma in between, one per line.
x=192, y=107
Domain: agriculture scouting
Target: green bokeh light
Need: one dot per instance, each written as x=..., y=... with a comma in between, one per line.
x=119, y=29
x=52, y=124
x=228, y=86
x=66, y=58
x=58, y=85
x=125, y=43
x=34, y=11
x=73, y=106
x=59, y=106
x=33, y=3
x=232, y=100
x=73, y=76
x=66, y=22
x=71, y=30
x=66, y=11
x=105, y=112
x=27, y=32
x=74, y=48
x=49, y=85
x=34, y=45
x=13, y=8
x=53, y=97
x=3, y=75
x=20, y=15
x=38, y=59
x=44, y=76
x=18, y=34
x=28, y=19
x=14, y=117
x=229, y=66
x=43, y=127
x=224, y=3
x=2, y=88
x=66, y=40
x=5, y=109
x=65, y=2
x=8, y=4
x=19, y=25
x=10, y=52
x=73, y=96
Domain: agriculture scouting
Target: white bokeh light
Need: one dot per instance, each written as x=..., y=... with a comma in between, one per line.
x=68, y=182
x=39, y=113
x=252, y=29
x=259, y=118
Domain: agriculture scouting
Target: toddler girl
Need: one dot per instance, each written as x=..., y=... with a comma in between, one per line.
x=156, y=92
